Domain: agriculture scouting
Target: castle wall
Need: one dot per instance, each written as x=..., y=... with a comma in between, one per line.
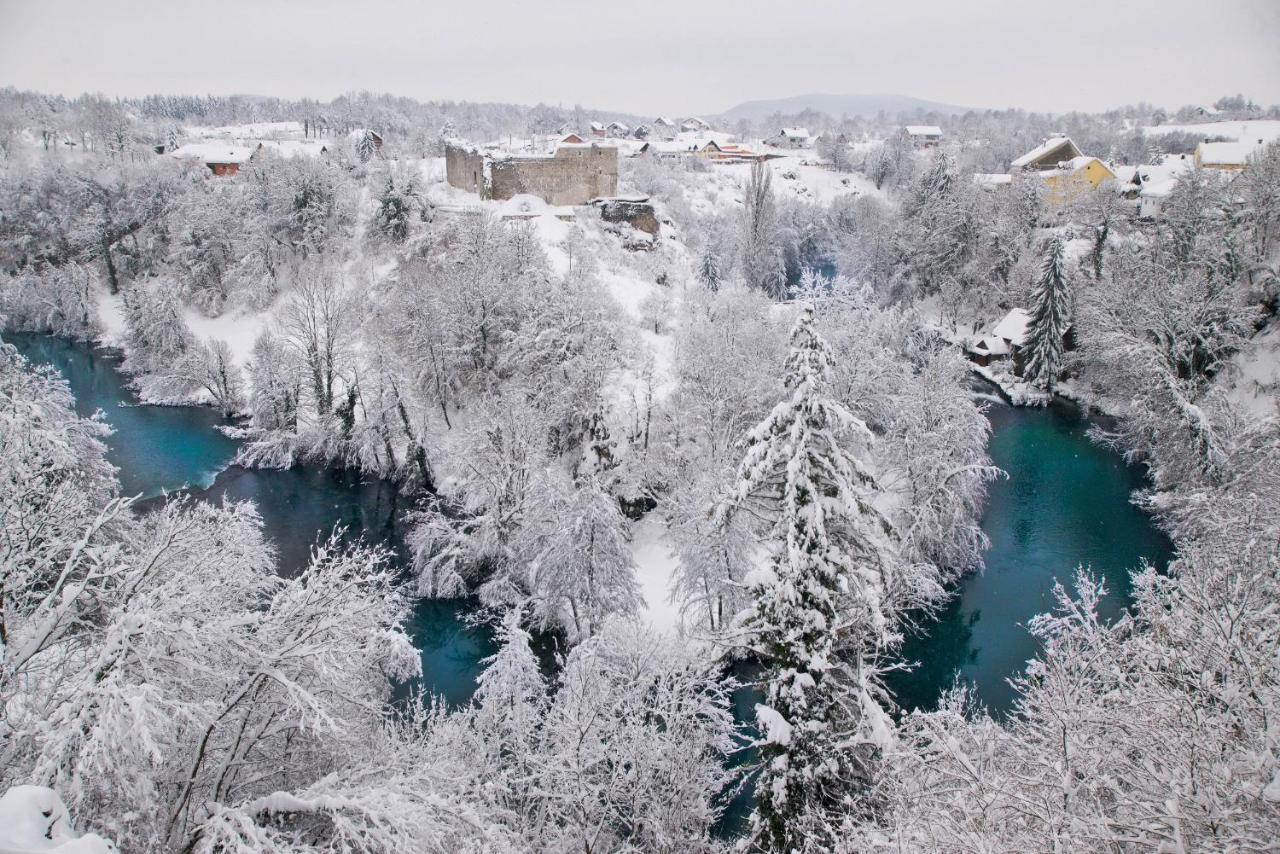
x=574, y=176
x=464, y=169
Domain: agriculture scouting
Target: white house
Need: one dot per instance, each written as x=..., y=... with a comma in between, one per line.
x=992, y=180
x=618, y=129
x=694, y=124
x=790, y=138
x=924, y=136
x=664, y=128
x=1154, y=182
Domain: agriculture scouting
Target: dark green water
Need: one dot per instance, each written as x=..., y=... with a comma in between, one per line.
x=1064, y=504
x=163, y=449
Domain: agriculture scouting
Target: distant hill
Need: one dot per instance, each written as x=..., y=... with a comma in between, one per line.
x=838, y=105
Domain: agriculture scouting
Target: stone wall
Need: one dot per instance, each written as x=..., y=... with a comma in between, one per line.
x=464, y=169
x=573, y=176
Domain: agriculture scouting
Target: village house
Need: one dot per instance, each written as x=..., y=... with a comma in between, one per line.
x=1002, y=341
x=924, y=136
x=573, y=175
x=598, y=129
x=705, y=149
x=221, y=158
x=1046, y=155
x=666, y=149
x=730, y=153
x=664, y=128
x=1225, y=156
x=618, y=130
x=1150, y=184
x=1074, y=178
x=790, y=138
x=572, y=139
x=1007, y=339
x=993, y=180
x=694, y=125
x=1064, y=169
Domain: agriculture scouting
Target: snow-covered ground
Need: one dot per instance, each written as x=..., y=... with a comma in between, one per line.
x=1253, y=130
x=655, y=568
x=34, y=818
x=1252, y=381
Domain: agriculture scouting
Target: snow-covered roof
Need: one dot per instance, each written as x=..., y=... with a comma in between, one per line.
x=991, y=179
x=297, y=147
x=659, y=146
x=1013, y=328
x=619, y=126
x=1050, y=145
x=215, y=152
x=597, y=126
x=663, y=120
x=1125, y=174
x=1159, y=179
x=1076, y=164
x=992, y=345
x=1158, y=189
x=924, y=130
x=1225, y=153
x=794, y=133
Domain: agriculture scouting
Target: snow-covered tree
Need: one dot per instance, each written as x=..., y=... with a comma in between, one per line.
x=709, y=272
x=206, y=369
x=366, y=146
x=398, y=206
x=632, y=751
x=276, y=378
x=582, y=569
x=318, y=323
x=823, y=608
x=762, y=264
x=156, y=336
x=1051, y=311
x=60, y=300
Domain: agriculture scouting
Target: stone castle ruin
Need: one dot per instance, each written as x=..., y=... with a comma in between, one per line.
x=574, y=175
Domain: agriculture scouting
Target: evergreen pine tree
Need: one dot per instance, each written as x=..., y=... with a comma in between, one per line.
x=1050, y=318
x=365, y=147
x=393, y=212
x=709, y=270
x=821, y=610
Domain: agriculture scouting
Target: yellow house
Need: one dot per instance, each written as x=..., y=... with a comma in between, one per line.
x=1074, y=177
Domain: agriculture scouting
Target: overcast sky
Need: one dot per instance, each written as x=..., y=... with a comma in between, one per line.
x=653, y=56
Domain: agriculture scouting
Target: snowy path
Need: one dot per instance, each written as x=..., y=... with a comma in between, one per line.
x=655, y=567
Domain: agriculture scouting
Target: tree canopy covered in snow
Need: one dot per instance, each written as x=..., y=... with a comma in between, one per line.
x=750, y=435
